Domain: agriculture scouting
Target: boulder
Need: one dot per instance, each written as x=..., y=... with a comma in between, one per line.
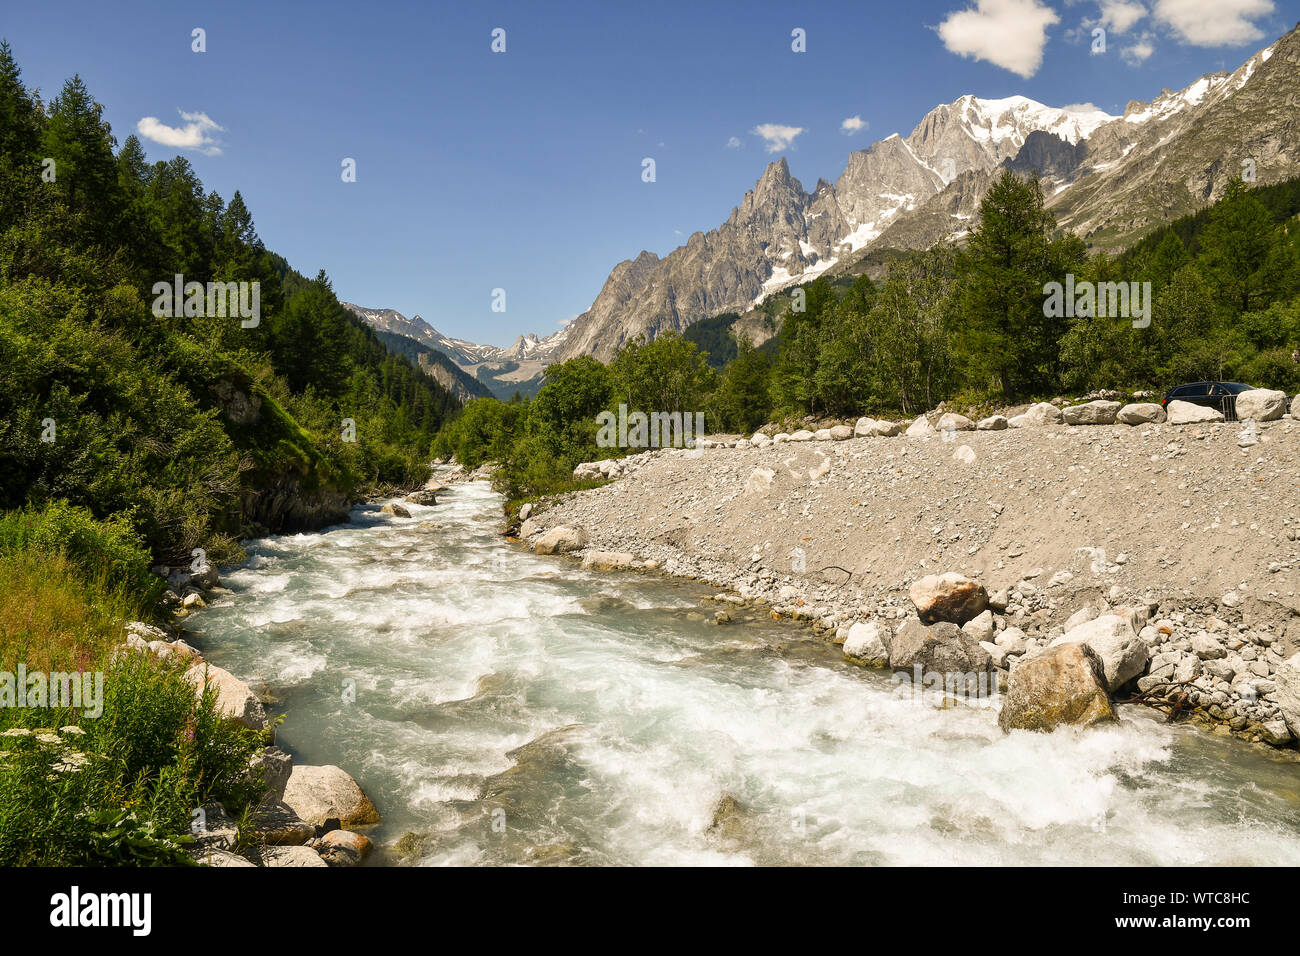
x=994, y=423
x=396, y=510
x=980, y=627
x=215, y=856
x=802, y=434
x=561, y=540
x=529, y=528
x=940, y=649
x=1261, y=404
x=948, y=597
x=318, y=794
x=1287, y=681
x=277, y=825
x=425, y=496
x=1123, y=654
x=868, y=643
x=759, y=483
x=1140, y=413
x=1207, y=647
x=607, y=560
x=919, y=428
x=343, y=847
x=822, y=434
x=234, y=698
x=841, y=433
x=871, y=428
x=1065, y=684
x=1012, y=640
x=952, y=422
x=291, y=856
x=272, y=766
x=1043, y=413
x=1185, y=413
x=1295, y=407
x=1100, y=412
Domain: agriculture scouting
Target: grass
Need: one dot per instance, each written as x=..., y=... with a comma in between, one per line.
x=119, y=787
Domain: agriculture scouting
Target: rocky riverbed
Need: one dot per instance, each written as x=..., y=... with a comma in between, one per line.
x=1174, y=544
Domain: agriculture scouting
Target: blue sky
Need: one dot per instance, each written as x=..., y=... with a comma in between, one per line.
x=522, y=170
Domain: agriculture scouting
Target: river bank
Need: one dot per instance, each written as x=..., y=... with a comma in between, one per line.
x=1193, y=528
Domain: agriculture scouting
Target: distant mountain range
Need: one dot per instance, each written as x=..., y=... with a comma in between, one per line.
x=1108, y=178
x=499, y=371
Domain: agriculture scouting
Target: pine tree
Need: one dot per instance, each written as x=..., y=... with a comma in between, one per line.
x=1239, y=251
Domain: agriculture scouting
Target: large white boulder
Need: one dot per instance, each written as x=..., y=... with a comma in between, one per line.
x=1044, y=413
x=994, y=423
x=871, y=428
x=919, y=428
x=952, y=422
x=234, y=698
x=1141, y=413
x=1185, y=413
x=948, y=597
x=1123, y=654
x=561, y=540
x=1261, y=404
x=868, y=643
x=1100, y=412
x=318, y=794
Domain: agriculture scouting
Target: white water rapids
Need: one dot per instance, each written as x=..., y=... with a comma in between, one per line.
x=510, y=708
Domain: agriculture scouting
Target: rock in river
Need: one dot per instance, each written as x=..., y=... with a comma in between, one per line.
x=1065, y=684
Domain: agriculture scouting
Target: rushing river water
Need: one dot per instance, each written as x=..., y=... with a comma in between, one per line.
x=510, y=708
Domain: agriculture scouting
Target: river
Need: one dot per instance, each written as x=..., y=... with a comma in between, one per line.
x=501, y=707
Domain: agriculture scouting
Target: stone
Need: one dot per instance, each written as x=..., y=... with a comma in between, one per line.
x=802, y=434
x=919, y=428
x=941, y=648
x=318, y=794
x=964, y=454
x=1081, y=616
x=759, y=483
x=1295, y=407
x=1207, y=647
x=952, y=422
x=1043, y=413
x=871, y=428
x=948, y=597
x=841, y=433
x=215, y=856
x=607, y=561
x=1141, y=413
x=1185, y=413
x=1275, y=732
x=272, y=766
x=1013, y=640
x=561, y=540
x=980, y=627
x=1287, y=692
x=526, y=511
x=277, y=825
x=1100, y=412
x=994, y=423
x=343, y=848
x=1261, y=404
x=234, y=698
x=1065, y=684
x=291, y=856
x=396, y=510
x=822, y=434
x=868, y=643
x=1112, y=636
x=213, y=826
x=425, y=496
x=529, y=528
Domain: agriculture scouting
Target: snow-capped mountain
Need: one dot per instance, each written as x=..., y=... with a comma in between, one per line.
x=518, y=367
x=1108, y=178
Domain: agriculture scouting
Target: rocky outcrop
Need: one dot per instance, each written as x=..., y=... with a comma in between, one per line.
x=948, y=597
x=1063, y=685
x=396, y=510
x=318, y=794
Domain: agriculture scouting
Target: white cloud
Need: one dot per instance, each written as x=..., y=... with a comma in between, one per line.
x=854, y=124
x=1007, y=33
x=734, y=143
x=1118, y=16
x=777, y=137
x=1140, y=51
x=1214, y=22
x=195, y=134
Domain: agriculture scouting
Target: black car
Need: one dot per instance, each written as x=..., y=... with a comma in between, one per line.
x=1220, y=395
